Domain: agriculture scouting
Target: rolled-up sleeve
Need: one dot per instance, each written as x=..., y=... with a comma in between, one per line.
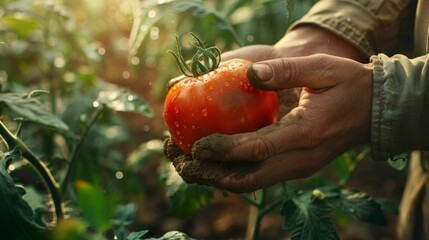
x=400, y=105
x=370, y=25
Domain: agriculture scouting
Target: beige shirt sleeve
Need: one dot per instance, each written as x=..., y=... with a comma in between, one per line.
x=372, y=26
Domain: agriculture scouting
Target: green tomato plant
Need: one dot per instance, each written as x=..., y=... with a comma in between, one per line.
x=58, y=123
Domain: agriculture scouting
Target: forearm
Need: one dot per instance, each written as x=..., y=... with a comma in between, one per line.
x=310, y=39
x=400, y=103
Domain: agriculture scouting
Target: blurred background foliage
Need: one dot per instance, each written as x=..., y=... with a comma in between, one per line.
x=103, y=67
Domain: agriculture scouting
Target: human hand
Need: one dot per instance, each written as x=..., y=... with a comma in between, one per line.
x=332, y=115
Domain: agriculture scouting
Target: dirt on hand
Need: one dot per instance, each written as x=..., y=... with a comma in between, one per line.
x=191, y=170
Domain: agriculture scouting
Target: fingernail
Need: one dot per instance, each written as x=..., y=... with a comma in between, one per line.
x=261, y=72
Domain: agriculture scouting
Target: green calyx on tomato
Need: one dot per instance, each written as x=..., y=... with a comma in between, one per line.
x=215, y=97
x=206, y=59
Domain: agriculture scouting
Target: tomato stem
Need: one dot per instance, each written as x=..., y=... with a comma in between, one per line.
x=354, y=163
x=204, y=60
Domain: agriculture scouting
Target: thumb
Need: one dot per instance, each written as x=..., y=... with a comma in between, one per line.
x=316, y=71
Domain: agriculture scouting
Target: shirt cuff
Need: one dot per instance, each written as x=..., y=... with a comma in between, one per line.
x=400, y=105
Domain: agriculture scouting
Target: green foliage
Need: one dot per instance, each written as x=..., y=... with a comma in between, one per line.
x=361, y=206
x=307, y=212
x=173, y=235
x=125, y=215
x=94, y=206
x=123, y=100
x=32, y=110
x=43, y=48
x=151, y=12
x=400, y=161
x=306, y=217
x=17, y=218
x=186, y=199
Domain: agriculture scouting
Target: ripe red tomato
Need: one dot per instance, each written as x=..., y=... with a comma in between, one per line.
x=220, y=101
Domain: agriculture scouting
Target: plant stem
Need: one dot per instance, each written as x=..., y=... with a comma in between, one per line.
x=353, y=166
x=257, y=212
x=261, y=214
x=40, y=167
x=73, y=160
x=249, y=200
x=272, y=206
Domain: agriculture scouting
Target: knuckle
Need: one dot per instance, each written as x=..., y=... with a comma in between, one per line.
x=262, y=148
x=290, y=70
x=245, y=184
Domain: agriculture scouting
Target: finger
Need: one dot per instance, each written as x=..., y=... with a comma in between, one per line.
x=316, y=71
x=249, y=177
x=205, y=172
x=171, y=150
x=297, y=164
x=289, y=165
x=290, y=132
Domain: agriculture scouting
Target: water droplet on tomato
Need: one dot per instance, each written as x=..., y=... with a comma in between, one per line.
x=176, y=110
x=209, y=98
x=226, y=84
x=193, y=127
x=176, y=124
x=177, y=132
x=204, y=112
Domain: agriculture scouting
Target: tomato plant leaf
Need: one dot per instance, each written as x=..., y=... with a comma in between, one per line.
x=173, y=235
x=362, y=207
x=35, y=199
x=20, y=22
x=148, y=13
x=122, y=233
x=94, y=205
x=17, y=219
x=186, y=198
x=125, y=214
x=137, y=235
x=141, y=155
x=32, y=110
x=307, y=218
x=123, y=100
x=388, y=205
x=70, y=229
x=400, y=161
